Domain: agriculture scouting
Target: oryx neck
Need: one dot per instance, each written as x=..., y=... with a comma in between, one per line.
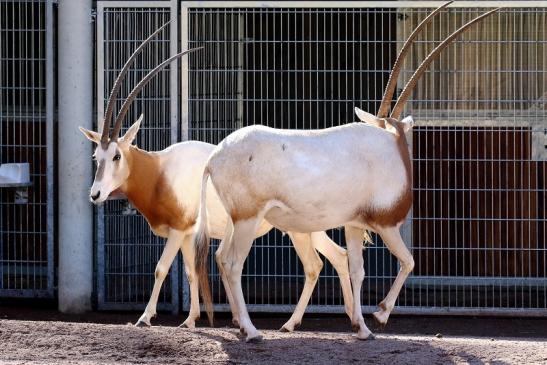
x=144, y=174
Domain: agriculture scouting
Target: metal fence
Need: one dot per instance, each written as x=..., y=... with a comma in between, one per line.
x=26, y=137
x=127, y=250
x=478, y=223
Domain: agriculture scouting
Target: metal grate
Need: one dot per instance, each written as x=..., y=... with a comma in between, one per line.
x=478, y=228
x=26, y=136
x=127, y=249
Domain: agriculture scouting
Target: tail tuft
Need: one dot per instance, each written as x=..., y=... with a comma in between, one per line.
x=201, y=245
x=367, y=239
x=202, y=254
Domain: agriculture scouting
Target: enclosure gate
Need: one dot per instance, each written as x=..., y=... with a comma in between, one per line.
x=26, y=137
x=478, y=224
x=127, y=250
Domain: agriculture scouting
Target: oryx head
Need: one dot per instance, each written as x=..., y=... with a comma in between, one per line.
x=391, y=122
x=112, y=162
x=111, y=153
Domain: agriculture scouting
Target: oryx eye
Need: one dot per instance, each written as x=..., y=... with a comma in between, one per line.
x=94, y=158
x=117, y=157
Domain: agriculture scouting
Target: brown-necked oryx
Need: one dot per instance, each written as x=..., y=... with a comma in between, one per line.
x=357, y=175
x=165, y=187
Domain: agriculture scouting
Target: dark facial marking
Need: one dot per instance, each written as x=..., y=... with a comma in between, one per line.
x=283, y=147
x=100, y=170
x=250, y=158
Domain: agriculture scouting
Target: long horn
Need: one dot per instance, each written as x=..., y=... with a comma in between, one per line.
x=383, y=110
x=138, y=88
x=117, y=84
x=399, y=106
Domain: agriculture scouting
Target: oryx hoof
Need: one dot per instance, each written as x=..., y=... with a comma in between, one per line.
x=142, y=324
x=380, y=319
x=254, y=339
x=368, y=337
x=188, y=325
x=289, y=328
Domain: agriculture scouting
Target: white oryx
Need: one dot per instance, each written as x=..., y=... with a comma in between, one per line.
x=165, y=186
x=357, y=175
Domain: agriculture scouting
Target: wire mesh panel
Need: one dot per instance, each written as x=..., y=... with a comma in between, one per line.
x=26, y=138
x=127, y=249
x=477, y=229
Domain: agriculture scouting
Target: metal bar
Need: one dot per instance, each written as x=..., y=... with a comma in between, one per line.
x=27, y=293
x=100, y=279
x=162, y=307
x=174, y=103
x=398, y=310
x=50, y=87
x=184, y=107
x=354, y=4
x=101, y=5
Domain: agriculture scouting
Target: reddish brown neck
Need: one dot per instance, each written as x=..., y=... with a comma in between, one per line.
x=144, y=175
x=148, y=189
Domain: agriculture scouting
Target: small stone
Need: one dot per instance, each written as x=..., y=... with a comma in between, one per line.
x=439, y=335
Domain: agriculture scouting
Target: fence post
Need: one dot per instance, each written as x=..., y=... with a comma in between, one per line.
x=75, y=108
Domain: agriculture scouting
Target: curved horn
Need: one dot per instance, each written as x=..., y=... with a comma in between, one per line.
x=398, y=108
x=117, y=84
x=383, y=110
x=138, y=88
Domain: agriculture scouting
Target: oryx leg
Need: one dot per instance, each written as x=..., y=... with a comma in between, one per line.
x=354, y=241
x=188, y=255
x=312, y=267
x=220, y=255
x=338, y=258
x=162, y=268
x=393, y=241
x=240, y=245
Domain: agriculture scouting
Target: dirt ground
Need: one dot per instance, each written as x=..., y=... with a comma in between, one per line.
x=34, y=336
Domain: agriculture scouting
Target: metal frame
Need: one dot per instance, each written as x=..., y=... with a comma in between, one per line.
x=358, y=4
x=49, y=290
x=50, y=87
x=460, y=281
x=103, y=304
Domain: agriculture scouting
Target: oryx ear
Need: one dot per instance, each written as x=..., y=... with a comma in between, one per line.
x=369, y=118
x=92, y=136
x=407, y=123
x=131, y=133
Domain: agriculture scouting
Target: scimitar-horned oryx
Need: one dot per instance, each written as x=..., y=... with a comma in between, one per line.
x=357, y=175
x=165, y=186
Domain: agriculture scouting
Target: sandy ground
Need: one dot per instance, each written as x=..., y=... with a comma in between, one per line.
x=55, y=341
